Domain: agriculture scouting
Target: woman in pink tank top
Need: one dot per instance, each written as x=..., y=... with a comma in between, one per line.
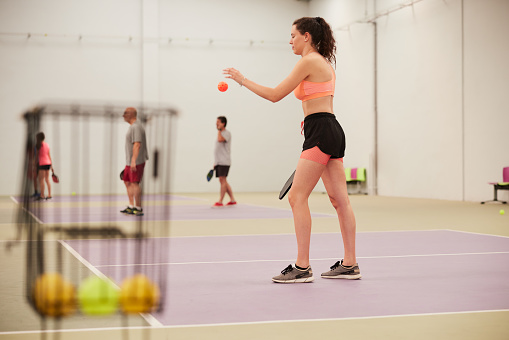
x=313, y=80
x=44, y=165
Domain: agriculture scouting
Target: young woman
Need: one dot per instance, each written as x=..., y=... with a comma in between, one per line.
x=45, y=164
x=313, y=81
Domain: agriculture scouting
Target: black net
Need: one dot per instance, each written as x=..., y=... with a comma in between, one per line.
x=80, y=232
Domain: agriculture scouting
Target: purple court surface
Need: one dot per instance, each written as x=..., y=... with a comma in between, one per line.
x=87, y=214
x=111, y=198
x=227, y=279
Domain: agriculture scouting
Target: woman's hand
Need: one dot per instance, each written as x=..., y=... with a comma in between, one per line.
x=234, y=74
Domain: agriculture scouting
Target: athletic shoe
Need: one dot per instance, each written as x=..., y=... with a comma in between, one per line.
x=338, y=271
x=127, y=211
x=137, y=212
x=36, y=194
x=294, y=275
x=48, y=198
x=218, y=205
x=231, y=203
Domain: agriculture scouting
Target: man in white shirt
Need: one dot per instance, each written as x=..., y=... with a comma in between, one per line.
x=222, y=161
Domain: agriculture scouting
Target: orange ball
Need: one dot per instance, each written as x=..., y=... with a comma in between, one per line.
x=53, y=295
x=222, y=86
x=138, y=295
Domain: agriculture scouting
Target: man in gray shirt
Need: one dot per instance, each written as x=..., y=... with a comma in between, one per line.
x=136, y=156
x=222, y=161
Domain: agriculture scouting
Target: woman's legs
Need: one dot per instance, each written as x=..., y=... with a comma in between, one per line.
x=41, y=182
x=307, y=175
x=48, y=182
x=334, y=179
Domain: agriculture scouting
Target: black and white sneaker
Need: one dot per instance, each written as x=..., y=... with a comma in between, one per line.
x=292, y=274
x=127, y=211
x=338, y=271
x=137, y=212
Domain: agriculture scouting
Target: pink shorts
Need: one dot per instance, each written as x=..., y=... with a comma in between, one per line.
x=136, y=176
x=316, y=155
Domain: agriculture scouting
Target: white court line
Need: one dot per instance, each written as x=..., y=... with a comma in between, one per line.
x=474, y=233
x=336, y=319
x=283, y=260
x=293, y=233
x=148, y=317
x=281, y=234
x=35, y=217
x=31, y=214
x=95, y=270
x=14, y=200
x=85, y=262
x=251, y=323
x=263, y=235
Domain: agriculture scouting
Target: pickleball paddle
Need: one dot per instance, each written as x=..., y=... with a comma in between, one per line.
x=286, y=187
x=209, y=175
x=54, y=177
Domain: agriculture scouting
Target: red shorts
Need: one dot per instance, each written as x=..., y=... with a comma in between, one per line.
x=316, y=155
x=133, y=176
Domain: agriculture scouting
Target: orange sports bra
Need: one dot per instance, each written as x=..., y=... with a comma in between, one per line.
x=310, y=90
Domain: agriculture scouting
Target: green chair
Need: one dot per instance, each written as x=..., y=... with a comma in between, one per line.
x=356, y=176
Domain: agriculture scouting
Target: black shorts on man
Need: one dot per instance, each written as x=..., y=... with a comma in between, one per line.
x=222, y=170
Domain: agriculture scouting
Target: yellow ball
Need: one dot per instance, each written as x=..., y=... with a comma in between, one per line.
x=138, y=295
x=502, y=211
x=53, y=295
x=98, y=296
x=73, y=193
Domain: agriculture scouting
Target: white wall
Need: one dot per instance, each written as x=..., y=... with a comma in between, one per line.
x=266, y=140
x=420, y=101
x=354, y=97
x=441, y=105
x=486, y=96
x=56, y=66
x=442, y=79
x=106, y=65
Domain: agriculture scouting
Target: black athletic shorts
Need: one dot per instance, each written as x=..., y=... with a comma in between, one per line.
x=222, y=170
x=323, y=130
x=44, y=167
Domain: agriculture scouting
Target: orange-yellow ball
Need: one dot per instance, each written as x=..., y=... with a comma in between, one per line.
x=138, y=295
x=53, y=295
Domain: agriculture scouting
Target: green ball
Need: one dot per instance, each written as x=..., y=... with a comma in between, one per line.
x=502, y=211
x=73, y=193
x=98, y=296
